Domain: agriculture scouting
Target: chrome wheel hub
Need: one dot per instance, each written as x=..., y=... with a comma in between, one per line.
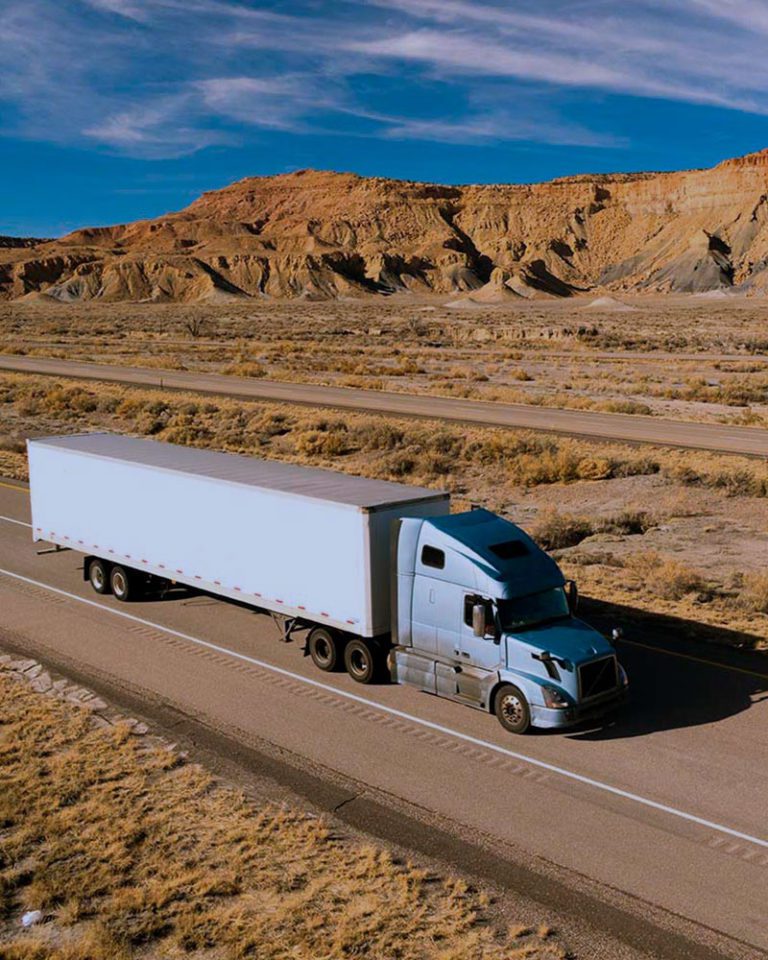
x=358, y=662
x=512, y=709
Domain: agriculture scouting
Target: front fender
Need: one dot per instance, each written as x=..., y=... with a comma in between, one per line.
x=529, y=685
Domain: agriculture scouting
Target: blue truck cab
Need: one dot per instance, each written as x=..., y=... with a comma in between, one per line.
x=484, y=616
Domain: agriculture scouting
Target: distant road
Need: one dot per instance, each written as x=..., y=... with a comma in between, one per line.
x=719, y=438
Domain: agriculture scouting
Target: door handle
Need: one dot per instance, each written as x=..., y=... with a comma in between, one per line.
x=465, y=654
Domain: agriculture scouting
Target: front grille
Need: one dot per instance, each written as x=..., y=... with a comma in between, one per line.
x=598, y=677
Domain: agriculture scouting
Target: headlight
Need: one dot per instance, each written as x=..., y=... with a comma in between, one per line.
x=553, y=698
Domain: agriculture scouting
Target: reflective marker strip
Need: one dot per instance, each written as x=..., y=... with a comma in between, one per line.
x=409, y=717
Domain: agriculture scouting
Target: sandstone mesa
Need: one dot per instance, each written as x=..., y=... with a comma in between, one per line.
x=317, y=235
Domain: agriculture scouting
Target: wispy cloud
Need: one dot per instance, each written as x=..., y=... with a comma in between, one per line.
x=158, y=78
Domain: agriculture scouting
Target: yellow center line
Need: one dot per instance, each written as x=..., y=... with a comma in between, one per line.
x=689, y=656
x=11, y=486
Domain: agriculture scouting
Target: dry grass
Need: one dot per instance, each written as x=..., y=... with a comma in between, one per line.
x=130, y=852
x=753, y=595
x=665, y=577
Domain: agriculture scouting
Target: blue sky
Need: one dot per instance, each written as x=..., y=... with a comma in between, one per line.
x=111, y=110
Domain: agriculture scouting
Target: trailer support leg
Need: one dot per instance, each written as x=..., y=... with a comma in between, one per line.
x=288, y=626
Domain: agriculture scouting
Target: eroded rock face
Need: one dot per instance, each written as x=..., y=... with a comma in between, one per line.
x=323, y=235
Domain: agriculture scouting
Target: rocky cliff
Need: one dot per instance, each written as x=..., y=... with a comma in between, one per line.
x=321, y=234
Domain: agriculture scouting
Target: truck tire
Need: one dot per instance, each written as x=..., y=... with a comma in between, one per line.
x=511, y=709
x=98, y=575
x=123, y=583
x=361, y=661
x=325, y=649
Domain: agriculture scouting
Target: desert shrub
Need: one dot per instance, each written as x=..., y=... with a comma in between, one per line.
x=396, y=464
x=441, y=441
x=754, y=593
x=625, y=406
x=322, y=443
x=379, y=435
x=664, y=577
x=245, y=369
x=12, y=444
x=268, y=425
x=628, y=523
x=595, y=468
x=69, y=401
x=734, y=481
x=556, y=531
x=191, y=435
x=434, y=464
x=520, y=374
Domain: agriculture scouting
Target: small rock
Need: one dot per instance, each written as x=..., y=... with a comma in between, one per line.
x=21, y=666
x=34, y=671
x=31, y=917
x=42, y=683
x=94, y=703
x=139, y=729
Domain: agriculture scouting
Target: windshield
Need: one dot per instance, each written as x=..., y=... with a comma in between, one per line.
x=533, y=610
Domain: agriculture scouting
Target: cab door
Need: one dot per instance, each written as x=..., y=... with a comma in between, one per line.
x=480, y=656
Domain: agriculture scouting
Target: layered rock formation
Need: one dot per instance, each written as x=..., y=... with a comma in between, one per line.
x=321, y=234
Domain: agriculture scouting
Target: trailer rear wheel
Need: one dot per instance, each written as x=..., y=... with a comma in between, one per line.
x=511, y=709
x=361, y=661
x=324, y=649
x=123, y=583
x=98, y=575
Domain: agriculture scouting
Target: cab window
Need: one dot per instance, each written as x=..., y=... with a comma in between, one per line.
x=432, y=557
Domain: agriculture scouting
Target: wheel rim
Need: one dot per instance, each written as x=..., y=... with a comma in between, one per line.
x=97, y=576
x=118, y=584
x=512, y=709
x=358, y=662
x=322, y=650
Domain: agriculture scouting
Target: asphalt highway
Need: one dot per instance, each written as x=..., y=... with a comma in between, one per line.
x=662, y=809
x=720, y=438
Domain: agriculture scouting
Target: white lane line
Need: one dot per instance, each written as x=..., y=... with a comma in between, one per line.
x=19, y=523
x=373, y=705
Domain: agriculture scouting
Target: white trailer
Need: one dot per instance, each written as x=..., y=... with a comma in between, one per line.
x=465, y=606
x=310, y=544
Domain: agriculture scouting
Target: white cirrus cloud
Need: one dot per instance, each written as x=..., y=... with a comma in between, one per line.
x=160, y=78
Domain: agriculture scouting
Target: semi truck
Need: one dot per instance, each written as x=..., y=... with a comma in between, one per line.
x=377, y=578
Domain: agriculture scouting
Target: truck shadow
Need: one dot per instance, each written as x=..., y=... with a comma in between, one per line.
x=670, y=687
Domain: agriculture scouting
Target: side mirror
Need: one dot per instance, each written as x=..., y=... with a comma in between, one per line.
x=478, y=620
x=617, y=634
x=573, y=596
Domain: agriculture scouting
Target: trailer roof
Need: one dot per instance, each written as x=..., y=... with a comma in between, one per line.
x=290, y=478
